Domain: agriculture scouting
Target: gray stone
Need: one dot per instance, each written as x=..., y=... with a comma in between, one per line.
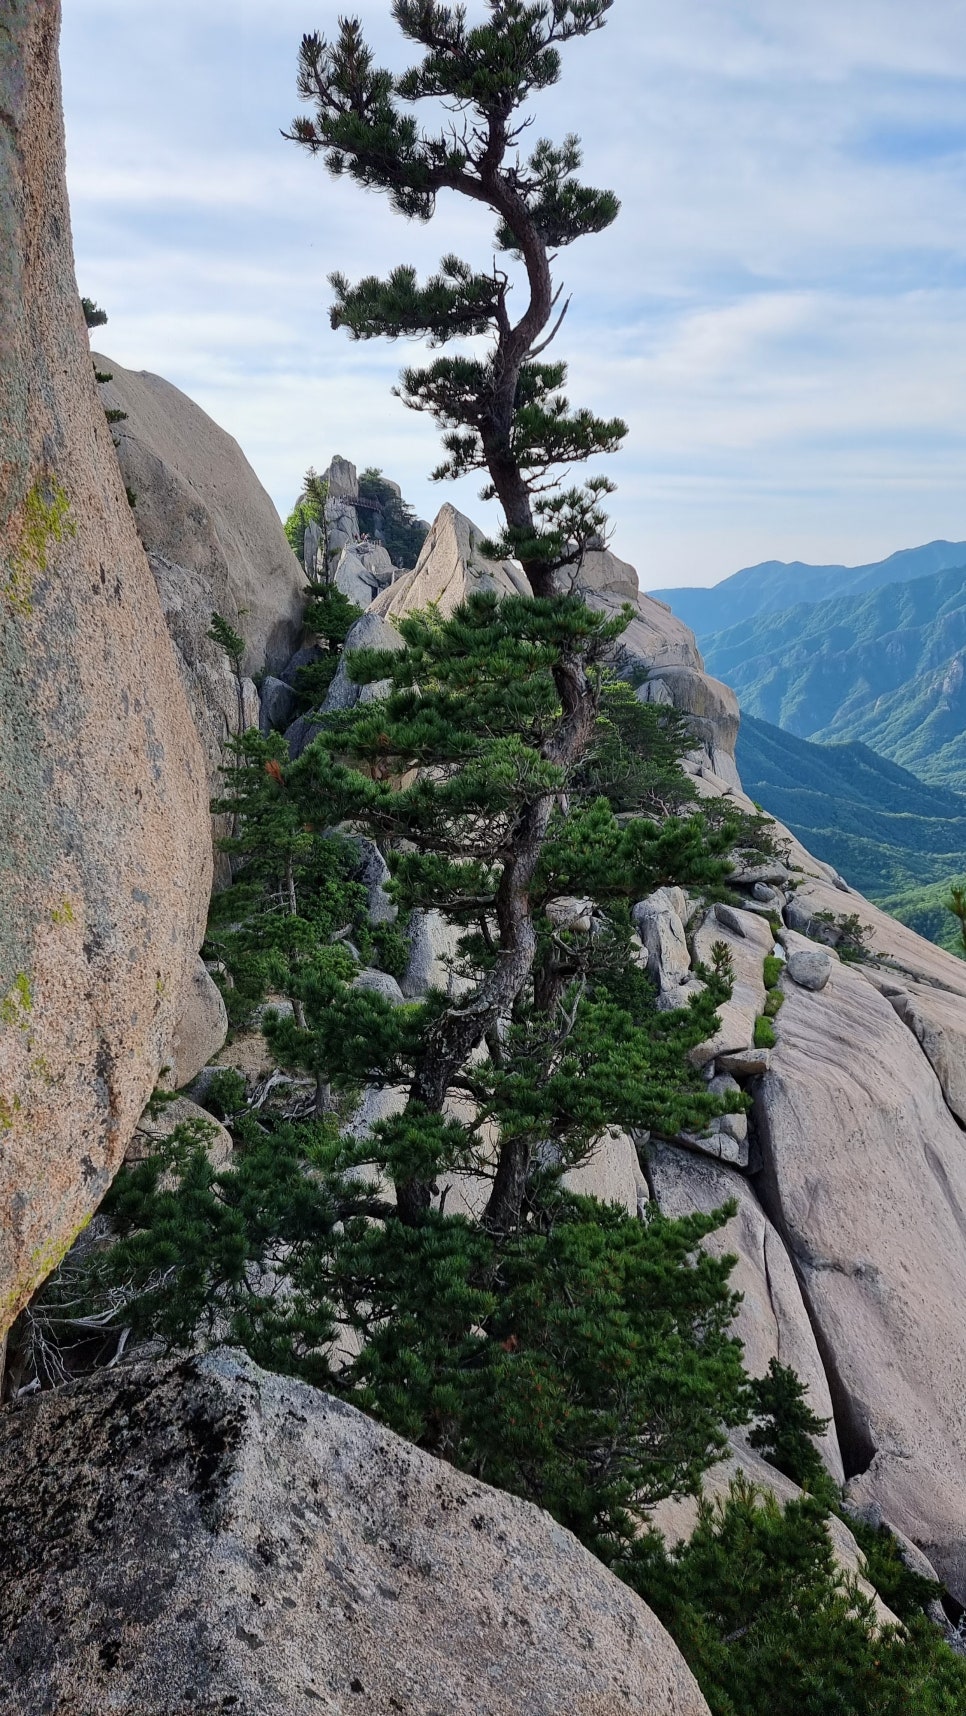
x=342, y=479
x=373, y=873
x=810, y=970
x=277, y=705
x=772, y=1320
x=154, y=1129
x=744, y=1063
x=299, y=736
x=313, y=552
x=201, y=1030
x=353, y=578
x=569, y=913
x=304, y=657
x=800, y=917
x=371, y=631
x=771, y=872
x=767, y=896
x=730, y=919
x=380, y=983
x=748, y=951
x=376, y=561
x=433, y=943
x=865, y=1172
x=199, y=1535
x=658, y=921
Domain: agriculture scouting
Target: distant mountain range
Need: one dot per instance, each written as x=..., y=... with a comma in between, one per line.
x=776, y=584
x=887, y=668
x=896, y=839
x=852, y=685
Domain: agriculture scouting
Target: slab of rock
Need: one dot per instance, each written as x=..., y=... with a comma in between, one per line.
x=451, y=565
x=216, y=546
x=433, y=942
x=201, y=506
x=380, y=983
x=612, y=1173
x=658, y=921
x=354, y=578
x=899, y=950
x=201, y=1535
x=744, y=1063
x=772, y=1318
x=104, y=825
x=313, y=551
x=277, y=705
x=865, y=1176
x=153, y=1129
x=748, y=952
x=369, y=632
x=937, y=1020
x=730, y=919
x=201, y=1029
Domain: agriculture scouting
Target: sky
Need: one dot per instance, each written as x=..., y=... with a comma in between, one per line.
x=779, y=312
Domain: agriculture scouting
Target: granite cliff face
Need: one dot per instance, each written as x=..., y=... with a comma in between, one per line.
x=105, y=858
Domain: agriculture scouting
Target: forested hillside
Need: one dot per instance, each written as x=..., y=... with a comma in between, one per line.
x=885, y=668
x=891, y=835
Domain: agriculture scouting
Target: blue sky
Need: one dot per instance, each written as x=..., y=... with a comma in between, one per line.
x=779, y=313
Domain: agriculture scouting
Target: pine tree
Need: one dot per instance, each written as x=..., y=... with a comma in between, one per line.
x=503, y=413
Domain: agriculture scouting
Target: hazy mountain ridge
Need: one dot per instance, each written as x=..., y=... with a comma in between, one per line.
x=776, y=584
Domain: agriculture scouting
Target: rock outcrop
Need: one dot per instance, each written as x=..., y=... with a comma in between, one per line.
x=865, y=1176
x=215, y=545
x=104, y=843
x=200, y=1535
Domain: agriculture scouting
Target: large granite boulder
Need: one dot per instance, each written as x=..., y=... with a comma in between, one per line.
x=202, y=1536
x=216, y=546
x=105, y=855
x=199, y=505
x=865, y=1178
x=450, y=567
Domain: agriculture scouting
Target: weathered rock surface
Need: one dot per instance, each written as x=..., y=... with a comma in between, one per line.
x=612, y=1173
x=201, y=1029
x=216, y=546
x=200, y=1535
x=277, y=704
x=104, y=844
x=153, y=1129
x=659, y=921
x=865, y=1177
x=937, y=1020
x=748, y=943
x=450, y=566
x=772, y=1319
x=200, y=506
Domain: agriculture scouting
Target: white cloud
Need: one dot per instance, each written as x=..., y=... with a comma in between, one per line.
x=780, y=312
